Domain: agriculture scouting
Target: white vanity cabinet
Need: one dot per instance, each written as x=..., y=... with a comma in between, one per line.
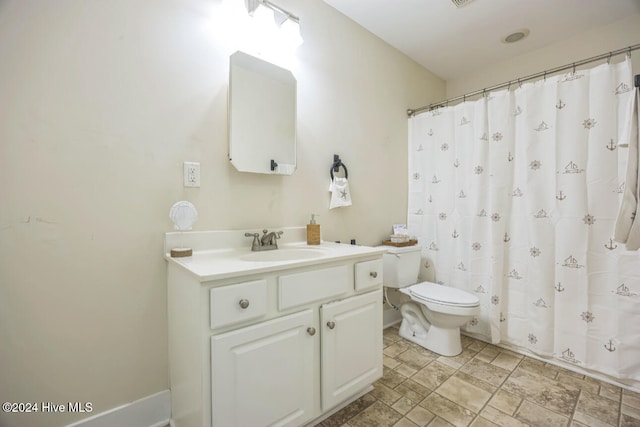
x=263, y=374
x=280, y=347
x=351, y=348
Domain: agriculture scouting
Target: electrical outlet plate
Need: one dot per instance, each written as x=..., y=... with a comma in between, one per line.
x=191, y=174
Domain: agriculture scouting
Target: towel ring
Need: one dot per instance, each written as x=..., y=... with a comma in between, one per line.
x=335, y=166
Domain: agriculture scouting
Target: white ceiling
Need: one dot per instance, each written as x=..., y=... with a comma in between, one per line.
x=449, y=40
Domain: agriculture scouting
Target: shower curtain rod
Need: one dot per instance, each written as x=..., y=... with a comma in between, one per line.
x=573, y=65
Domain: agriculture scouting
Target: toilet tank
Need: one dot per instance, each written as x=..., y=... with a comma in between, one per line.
x=401, y=266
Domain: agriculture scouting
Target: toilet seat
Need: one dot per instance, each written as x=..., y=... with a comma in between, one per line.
x=443, y=295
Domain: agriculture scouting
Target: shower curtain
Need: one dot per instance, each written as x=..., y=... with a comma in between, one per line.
x=514, y=198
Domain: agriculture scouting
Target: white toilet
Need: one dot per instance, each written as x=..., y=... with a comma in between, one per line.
x=432, y=314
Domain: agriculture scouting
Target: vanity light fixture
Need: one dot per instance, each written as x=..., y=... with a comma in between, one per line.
x=460, y=3
x=279, y=14
x=287, y=22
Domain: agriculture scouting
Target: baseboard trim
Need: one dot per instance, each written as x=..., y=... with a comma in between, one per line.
x=150, y=411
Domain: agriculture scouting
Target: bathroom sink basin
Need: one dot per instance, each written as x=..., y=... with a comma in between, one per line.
x=285, y=254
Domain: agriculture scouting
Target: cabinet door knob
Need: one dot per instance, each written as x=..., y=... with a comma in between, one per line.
x=311, y=331
x=373, y=274
x=331, y=324
x=244, y=303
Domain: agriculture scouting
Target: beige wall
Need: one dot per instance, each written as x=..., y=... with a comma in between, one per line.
x=100, y=103
x=620, y=34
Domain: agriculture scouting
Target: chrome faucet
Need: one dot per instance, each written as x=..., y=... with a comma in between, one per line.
x=268, y=241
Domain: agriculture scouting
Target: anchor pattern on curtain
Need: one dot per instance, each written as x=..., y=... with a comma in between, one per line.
x=514, y=198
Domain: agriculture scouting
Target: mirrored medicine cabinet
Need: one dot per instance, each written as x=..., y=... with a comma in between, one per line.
x=262, y=116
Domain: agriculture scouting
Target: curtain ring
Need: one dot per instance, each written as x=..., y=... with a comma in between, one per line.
x=545, y=76
x=464, y=98
x=629, y=52
x=520, y=83
x=574, y=69
x=609, y=58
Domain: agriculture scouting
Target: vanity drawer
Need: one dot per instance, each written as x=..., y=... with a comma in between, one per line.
x=368, y=274
x=303, y=288
x=238, y=303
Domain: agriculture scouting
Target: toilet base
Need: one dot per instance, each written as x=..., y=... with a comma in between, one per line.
x=416, y=328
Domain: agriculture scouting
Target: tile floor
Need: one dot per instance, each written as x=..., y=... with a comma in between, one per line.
x=484, y=386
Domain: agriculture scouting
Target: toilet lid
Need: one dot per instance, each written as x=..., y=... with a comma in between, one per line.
x=445, y=295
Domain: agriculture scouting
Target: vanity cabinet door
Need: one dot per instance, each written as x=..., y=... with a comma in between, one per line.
x=351, y=345
x=263, y=374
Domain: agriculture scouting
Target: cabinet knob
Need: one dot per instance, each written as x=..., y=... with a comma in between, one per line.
x=331, y=324
x=244, y=303
x=373, y=274
x=311, y=331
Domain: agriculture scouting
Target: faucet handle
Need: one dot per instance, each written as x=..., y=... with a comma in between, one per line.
x=277, y=235
x=256, y=240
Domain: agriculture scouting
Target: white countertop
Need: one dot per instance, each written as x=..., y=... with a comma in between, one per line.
x=222, y=263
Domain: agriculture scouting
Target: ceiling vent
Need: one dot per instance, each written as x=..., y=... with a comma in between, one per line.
x=460, y=3
x=516, y=36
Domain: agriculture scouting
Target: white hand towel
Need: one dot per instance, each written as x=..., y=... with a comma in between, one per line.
x=340, y=194
x=628, y=224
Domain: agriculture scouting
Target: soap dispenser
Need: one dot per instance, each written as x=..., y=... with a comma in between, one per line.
x=313, y=231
